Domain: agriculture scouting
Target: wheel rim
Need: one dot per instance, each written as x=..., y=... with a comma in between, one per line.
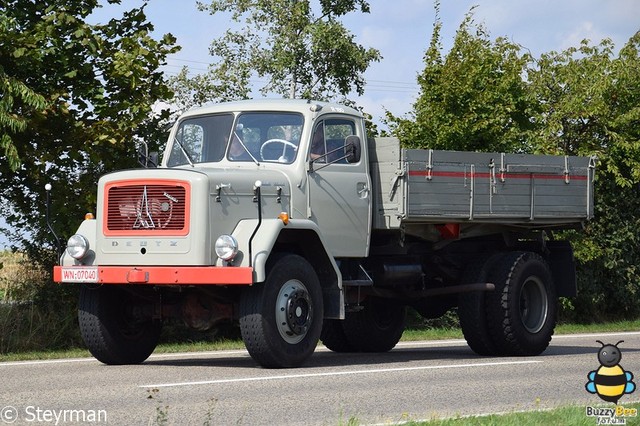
x=533, y=304
x=130, y=326
x=294, y=312
x=382, y=314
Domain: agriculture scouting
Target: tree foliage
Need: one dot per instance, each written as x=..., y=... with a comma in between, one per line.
x=486, y=95
x=474, y=98
x=73, y=98
x=302, y=52
x=590, y=105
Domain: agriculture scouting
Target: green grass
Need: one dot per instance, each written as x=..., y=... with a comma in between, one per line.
x=569, y=416
x=432, y=334
x=456, y=333
x=610, y=327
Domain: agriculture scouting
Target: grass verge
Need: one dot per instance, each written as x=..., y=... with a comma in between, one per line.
x=456, y=333
x=230, y=344
x=568, y=416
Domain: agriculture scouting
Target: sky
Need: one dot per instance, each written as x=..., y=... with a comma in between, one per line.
x=401, y=31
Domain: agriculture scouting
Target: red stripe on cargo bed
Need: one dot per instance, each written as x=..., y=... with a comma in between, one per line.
x=488, y=175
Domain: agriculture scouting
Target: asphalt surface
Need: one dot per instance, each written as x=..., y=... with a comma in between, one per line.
x=415, y=381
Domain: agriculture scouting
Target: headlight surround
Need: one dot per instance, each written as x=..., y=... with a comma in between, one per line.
x=77, y=246
x=226, y=247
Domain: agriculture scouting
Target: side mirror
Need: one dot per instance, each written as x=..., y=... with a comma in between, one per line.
x=352, y=149
x=147, y=159
x=154, y=159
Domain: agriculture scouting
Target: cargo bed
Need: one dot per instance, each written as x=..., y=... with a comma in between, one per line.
x=433, y=186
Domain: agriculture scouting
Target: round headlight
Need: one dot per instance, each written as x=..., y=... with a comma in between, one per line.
x=226, y=247
x=77, y=246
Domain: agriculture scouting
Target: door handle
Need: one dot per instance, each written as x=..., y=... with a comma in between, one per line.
x=362, y=189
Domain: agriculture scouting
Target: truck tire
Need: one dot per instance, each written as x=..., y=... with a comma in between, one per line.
x=376, y=328
x=521, y=312
x=112, y=331
x=281, y=319
x=472, y=309
x=333, y=336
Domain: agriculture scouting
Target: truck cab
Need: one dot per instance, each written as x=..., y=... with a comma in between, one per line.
x=238, y=183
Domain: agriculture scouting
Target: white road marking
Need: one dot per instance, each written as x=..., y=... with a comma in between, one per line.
x=153, y=356
x=338, y=373
x=46, y=361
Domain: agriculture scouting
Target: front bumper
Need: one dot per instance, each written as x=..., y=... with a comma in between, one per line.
x=154, y=275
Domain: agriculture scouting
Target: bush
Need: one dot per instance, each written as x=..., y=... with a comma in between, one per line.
x=35, y=313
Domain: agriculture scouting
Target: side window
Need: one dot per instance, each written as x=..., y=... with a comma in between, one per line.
x=318, y=145
x=327, y=143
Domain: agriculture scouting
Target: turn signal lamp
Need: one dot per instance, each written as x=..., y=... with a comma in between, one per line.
x=284, y=217
x=89, y=216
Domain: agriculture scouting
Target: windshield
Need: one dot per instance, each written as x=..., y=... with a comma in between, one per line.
x=201, y=140
x=255, y=137
x=266, y=136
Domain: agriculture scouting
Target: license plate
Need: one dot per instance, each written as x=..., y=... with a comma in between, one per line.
x=79, y=275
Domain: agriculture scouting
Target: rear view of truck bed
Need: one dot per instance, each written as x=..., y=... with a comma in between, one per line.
x=430, y=186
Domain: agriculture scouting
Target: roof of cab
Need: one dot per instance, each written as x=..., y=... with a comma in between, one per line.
x=271, y=104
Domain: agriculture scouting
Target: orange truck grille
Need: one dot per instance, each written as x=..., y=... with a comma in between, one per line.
x=149, y=207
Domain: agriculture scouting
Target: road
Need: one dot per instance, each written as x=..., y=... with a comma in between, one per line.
x=417, y=380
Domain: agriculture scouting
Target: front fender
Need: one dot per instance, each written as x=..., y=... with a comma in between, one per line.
x=264, y=240
x=306, y=236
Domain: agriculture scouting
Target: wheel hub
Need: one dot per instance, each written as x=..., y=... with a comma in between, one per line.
x=533, y=305
x=294, y=312
x=298, y=312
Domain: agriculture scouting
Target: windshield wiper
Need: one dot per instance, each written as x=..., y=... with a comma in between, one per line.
x=184, y=151
x=235, y=134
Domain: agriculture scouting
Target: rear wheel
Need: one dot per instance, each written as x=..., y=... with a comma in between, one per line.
x=472, y=309
x=116, y=325
x=281, y=319
x=521, y=313
x=377, y=327
x=333, y=336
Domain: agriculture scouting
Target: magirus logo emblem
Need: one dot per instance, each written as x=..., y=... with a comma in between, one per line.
x=152, y=213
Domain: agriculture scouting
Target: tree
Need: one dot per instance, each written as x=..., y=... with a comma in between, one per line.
x=302, y=53
x=73, y=99
x=472, y=99
x=590, y=105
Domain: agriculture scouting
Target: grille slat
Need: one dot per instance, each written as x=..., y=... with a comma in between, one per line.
x=146, y=208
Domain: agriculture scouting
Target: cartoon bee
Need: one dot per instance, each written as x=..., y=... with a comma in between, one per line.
x=610, y=381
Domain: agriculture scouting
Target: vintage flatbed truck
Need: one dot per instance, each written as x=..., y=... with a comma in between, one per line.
x=282, y=215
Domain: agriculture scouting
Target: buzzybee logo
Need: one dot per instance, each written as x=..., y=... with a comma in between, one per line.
x=610, y=381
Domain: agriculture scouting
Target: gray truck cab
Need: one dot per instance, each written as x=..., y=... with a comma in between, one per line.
x=297, y=150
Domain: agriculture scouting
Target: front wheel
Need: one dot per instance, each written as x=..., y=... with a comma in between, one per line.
x=281, y=319
x=116, y=325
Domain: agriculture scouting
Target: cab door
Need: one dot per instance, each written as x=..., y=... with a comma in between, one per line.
x=339, y=192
